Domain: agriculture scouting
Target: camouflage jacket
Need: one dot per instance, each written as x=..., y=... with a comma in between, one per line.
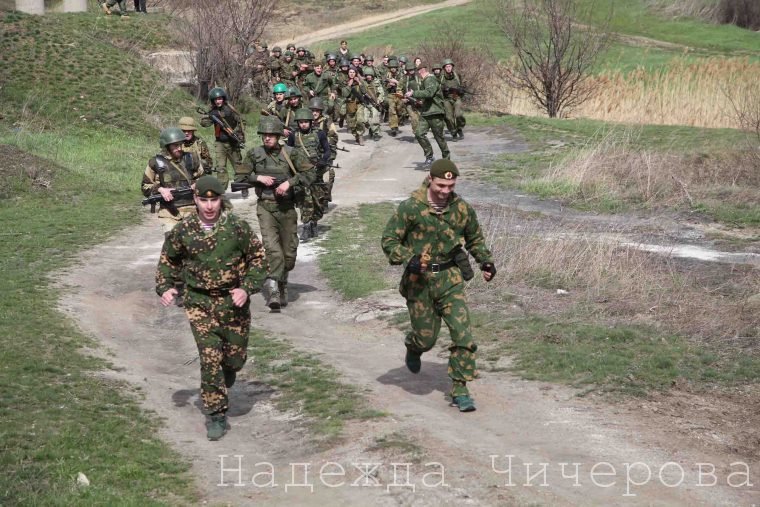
x=321, y=85
x=449, y=81
x=163, y=171
x=200, y=148
x=326, y=125
x=431, y=95
x=415, y=228
x=228, y=256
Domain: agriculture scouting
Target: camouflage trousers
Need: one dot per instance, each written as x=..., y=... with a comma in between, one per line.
x=221, y=332
x=279, y=233
x=355, y=118
x=225, y=152
x=435, y=123
x=122, y=5
x=414, y=117
x=395, y=110
x=372, y=119
x=440, y=296
x=454, y=117
x=311, y=207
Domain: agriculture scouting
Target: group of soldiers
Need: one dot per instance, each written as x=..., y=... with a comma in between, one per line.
x=212, y=262
x=362, y=94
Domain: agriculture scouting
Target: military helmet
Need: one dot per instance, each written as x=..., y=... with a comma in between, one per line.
x=369, y=58
x=344, y=63
x=169, y=136
x=410, y=66
x=392, y=64
x=270, y=125
x=215, y=93
x=403, y=59
x=437, y=65
x=264, y=45
x=288, y=53
x=316, y=103
x=448, y=61
x=277, y=49
x=291, y=45
x=294, y=92
x=187, y=123
x=368, y=71
x=303, y=114
x=330, y=56
x=280, y=88
x=300, y=48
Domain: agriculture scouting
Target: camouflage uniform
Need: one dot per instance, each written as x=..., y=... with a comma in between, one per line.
x=416, y=228
x=326, y=125
x=410, y=106
x=354, y=108
x=432, y=117
x=395, y=103
x=277, y=215
x=316, y=148
x=163, y=171
x=212, y=263
x=372, y=116
x=226, y=149
x=198, y=146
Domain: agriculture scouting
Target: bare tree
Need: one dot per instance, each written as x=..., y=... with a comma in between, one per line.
x=222, y=35
x=553, y=53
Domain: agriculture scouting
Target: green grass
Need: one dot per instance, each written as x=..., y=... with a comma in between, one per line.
x=307, y=386
x=59, y=418
x=631, y=18
x=621, y=358
x=355, y=266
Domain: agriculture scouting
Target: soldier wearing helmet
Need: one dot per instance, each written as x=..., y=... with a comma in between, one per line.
x=353, y=92
x=227, y=148
x=326, y=125
x=339, y=108
x=394, y=90
x=277, y=173
x=170, y=170
x=194, y=143
x=294, y=104
x=288, y=68
x=373, y=104
x=278, y=106
x=437, y=70
x=451, y=84
x=314, y=145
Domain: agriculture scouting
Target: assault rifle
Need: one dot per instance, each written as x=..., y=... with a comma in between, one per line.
x=369, y=101
x=178, y=193
x=339, y=148
x=222, y=125
x=456, y=92
x=244, y=185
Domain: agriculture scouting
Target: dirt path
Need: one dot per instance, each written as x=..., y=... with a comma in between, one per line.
x=111, y=296
x=346, y=29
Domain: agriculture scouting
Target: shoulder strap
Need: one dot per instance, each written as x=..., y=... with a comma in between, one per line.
x=303, y=146
x=290, y=162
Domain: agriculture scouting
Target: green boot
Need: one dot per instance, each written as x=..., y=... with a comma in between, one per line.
x=464, y=402
x=217, y=427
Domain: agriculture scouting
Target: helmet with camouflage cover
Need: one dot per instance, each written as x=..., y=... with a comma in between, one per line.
x=330, y=56
x=368, y=71
x=294, y=91
x=316, y=103
x=447, y=61
x=410, y=66
x=403, y=59
x=264, y=45
x=393, y=64
x=277, y=49
x=187, y=123
x=288, y=53
x=280, y=88
x=300, y=48
x=369, y=58
x=437, y=65
x=344, y=62
x=270, y=125
x=169, y=136
x=291, y=45
x=303, y=114
x=215, y=93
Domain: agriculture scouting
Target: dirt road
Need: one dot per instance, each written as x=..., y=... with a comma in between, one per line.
x=564, y=450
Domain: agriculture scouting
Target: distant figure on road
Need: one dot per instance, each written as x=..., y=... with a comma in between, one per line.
x=427, y=233
x=222, y=263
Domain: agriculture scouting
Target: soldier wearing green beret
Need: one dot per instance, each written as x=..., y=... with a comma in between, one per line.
x=427, y=234
x=222, y=263
x=277, y=174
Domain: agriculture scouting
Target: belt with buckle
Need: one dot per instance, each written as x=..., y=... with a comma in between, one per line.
x=435, y=268
x=215, y=293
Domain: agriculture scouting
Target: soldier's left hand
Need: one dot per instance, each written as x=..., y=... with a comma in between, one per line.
x=167, y=298
x=489, y=271
x=239, y=297
x=283, y=188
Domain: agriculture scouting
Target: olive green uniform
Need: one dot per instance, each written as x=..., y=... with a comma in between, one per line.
x=452, y=102
x=212, y=263
x=226, y=148
x=415, y=228
x=432, y=116
x=316, y=148
x=278, y=219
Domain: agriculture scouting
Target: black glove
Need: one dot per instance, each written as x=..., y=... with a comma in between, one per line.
x=415, y=265
x=488, y=267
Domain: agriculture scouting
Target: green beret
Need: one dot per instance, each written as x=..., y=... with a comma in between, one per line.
x=208, y=186
x=444, y=168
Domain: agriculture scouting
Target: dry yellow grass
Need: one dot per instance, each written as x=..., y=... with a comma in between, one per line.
x=696, y=93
